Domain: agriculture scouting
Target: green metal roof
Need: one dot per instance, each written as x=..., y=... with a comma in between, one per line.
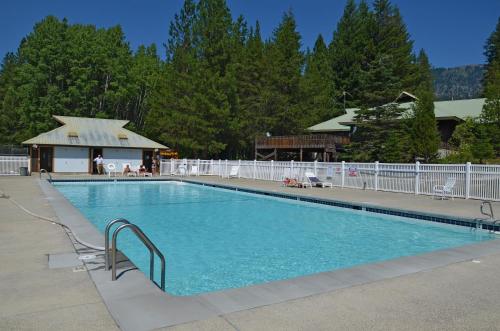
x=453, y=109
x=83, y=131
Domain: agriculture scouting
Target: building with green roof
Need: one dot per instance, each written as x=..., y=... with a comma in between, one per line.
x=448, y=115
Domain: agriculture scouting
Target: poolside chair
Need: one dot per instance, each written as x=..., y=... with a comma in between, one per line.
x=313, y=180
x=194, y=171
x=445, y=190
x=234, y=171
x=134, y=171
x=111, y=168
x=182, y=170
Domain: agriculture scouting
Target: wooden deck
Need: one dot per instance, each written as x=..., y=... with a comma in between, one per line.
x=323, y=143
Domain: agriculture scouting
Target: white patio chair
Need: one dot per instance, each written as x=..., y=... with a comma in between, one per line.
x=234, y=171
x=111, y=167
x=313, y=180
x=134, y=171
x=445, y=190
x=182, y=170
x=193, y=171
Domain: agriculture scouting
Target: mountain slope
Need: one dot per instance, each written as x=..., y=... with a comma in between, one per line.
x=463, y=82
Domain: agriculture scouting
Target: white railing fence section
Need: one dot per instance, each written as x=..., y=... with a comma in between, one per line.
x=472, y=181
x=9, y=165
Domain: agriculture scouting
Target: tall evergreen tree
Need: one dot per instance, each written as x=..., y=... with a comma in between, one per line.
x=424, y=134
x=490, y=115
x=350, y=52
x=284, y=66
x=317, y=86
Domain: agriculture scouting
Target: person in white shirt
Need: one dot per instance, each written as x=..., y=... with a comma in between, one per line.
x=99, y=161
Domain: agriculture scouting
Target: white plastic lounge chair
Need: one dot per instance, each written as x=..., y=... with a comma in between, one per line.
x=182, y=170
x=134, y=171
x=313, y=180
x=234, y=171
x=111, y=169
x=445, y=190
x=194, y=171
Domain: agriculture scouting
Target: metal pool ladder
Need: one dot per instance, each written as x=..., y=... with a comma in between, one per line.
x=491, y=216
x=48, y=174
x=143, y=238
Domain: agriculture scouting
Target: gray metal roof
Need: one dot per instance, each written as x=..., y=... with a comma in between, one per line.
x=83, y=131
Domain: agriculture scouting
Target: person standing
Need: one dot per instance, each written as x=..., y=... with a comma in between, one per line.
x=99, y=161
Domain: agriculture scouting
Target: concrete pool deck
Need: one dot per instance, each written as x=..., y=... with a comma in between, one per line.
x=459, y=295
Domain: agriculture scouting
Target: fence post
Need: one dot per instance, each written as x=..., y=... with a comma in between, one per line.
x=291, y=169
x=225, y=169
x=211, y=167
x=315, y=167
x=198, y=165
x=343, y=174
x=272, y=170
x=467, y=180
x=417, y=178
x=376, y=175
x=220, y=167
x=172, y=166
x=254, y=169
x=239, y=168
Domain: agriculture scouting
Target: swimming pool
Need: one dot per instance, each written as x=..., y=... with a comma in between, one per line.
x=216, y=239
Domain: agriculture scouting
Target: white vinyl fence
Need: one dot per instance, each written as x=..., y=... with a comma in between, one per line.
x=9, y=165
x=472, y=181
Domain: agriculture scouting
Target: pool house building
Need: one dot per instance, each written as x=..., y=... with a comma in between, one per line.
x=72, y=147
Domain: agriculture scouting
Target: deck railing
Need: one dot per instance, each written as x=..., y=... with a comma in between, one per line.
x=9, y=165
x=303, y=141
x=473, y=181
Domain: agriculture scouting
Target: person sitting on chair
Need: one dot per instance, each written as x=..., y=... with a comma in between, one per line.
x=127, y=170
x=142, y=169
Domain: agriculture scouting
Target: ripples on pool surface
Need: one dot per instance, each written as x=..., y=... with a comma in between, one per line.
x=216, y=239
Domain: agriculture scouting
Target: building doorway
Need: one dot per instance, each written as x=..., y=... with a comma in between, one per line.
x=46, y=156
x=95, y=153
x=147, y=159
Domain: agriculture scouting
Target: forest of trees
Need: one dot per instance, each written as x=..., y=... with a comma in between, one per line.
x=222, y=84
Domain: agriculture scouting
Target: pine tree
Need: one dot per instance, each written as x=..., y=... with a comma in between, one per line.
x=284, y=67
x=390, y=71
x=424, y=134
x=350, y=52
x=490, y=115
x=317, y=89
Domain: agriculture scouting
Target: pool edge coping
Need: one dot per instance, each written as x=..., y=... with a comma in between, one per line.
x=205, y=305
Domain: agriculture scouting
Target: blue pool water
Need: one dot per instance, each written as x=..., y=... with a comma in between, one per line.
x=216, y=239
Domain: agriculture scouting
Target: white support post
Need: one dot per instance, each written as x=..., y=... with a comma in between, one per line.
x=211, y=172
x=225, y=170
x=172, y=167
x=315, y=167
x=376, y=175
x=417, y=178
x=198, y=166
x=343, y=174
x=220, y=168
x=467, y=180
x=254, y=169
x=291, y=169
x=239, y=168
x=272, y=170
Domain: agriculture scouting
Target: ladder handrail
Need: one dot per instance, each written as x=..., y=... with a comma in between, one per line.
x=490, y=215
x=145, y=240
x=45, y=171
x=106, y=239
